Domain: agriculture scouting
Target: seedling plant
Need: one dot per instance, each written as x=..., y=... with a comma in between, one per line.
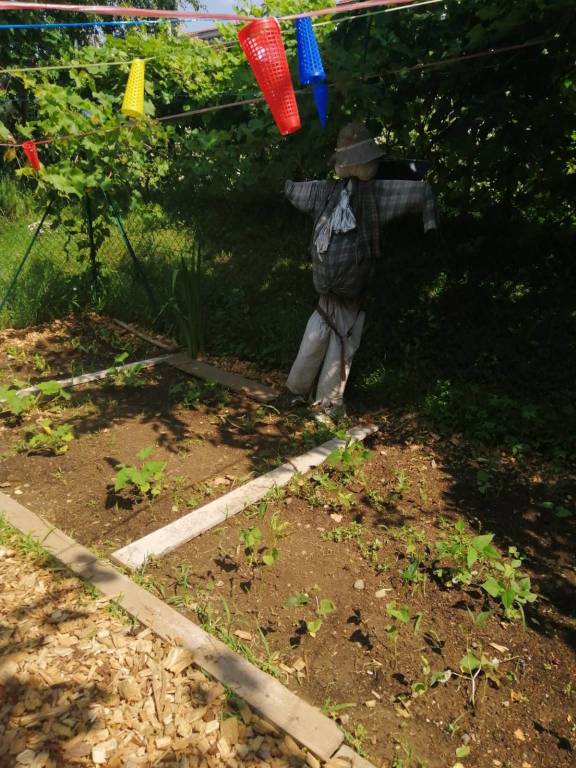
x=132, y=376
x=49, y=438
x=145, y=479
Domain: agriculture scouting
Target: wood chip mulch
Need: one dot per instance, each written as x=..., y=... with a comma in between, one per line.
x=80, y=685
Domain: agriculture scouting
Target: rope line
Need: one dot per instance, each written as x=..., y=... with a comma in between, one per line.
x=16, y=70
x=105, y=10
x=246, y=102
x=89, y=24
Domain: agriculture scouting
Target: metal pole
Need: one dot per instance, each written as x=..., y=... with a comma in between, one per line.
x=25, y=257
x=91, y=243
x=131, y=251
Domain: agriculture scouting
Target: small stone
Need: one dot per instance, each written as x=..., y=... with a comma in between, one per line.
x=243, y=635
x=526, y=765
x=382, y=592
x=18, y=492
x=519, y=734
x=370, y=704
x=336, y=517
x=359, y=584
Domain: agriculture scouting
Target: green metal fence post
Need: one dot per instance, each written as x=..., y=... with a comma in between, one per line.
x=25, y=257
x=130, y=249
x=91, y=243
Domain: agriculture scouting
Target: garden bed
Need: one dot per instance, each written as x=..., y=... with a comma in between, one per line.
x=199, y=442
x=373, y=588
x=395, y=656
x=75, y=345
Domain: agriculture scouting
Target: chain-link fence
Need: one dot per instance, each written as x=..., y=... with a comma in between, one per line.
x=73, y=257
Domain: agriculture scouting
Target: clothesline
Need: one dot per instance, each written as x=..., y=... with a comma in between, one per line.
x=61, y=25
x=15, y=70
x=105, y=10
x=248, y=102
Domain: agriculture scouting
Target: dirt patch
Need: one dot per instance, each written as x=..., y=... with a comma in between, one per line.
x=68, y=347
x=390, y=660
x=415, y=655
x=207, y=441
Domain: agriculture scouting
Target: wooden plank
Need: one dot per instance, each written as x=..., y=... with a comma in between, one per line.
x=233, y=381
x=266, y=695
x=85, y=378
x=156, y=340
x=173, y=535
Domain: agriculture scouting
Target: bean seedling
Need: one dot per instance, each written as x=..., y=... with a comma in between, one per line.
x=145, y=479
x=324, y=608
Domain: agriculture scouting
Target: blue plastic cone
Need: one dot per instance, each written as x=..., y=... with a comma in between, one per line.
x=320, y=93
x=310, y=67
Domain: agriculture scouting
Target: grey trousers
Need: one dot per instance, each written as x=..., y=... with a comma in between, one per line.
x=321, y=351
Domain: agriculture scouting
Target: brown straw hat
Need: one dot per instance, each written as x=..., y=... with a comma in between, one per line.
x=355, y=146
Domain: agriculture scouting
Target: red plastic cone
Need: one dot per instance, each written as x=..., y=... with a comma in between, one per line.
x=261, y=41
x=31, y=152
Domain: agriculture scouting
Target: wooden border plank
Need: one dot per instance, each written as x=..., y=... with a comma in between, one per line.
x=266, y=695
x=201, y=370
x=136, y=331
x=200, y=520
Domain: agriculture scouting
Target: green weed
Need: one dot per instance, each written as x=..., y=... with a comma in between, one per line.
x=50, y=439
x=356, y=738
x=132, y=376
x=349, y=459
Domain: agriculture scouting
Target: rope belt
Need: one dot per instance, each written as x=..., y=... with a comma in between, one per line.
x=341, y=337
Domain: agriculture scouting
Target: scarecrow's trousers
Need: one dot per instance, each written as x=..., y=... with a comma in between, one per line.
x=321, y=350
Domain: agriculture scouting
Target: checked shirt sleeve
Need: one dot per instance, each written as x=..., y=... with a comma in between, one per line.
x=306, y=196
x=402, y=198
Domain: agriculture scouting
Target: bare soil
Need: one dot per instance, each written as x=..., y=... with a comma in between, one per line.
x=406, y=497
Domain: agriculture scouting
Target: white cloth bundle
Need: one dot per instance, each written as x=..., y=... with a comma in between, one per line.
x=342, y=219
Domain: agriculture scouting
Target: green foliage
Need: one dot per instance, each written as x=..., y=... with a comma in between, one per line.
x=13, y=402
x=52, y=391
x=349, y=459
x=466, y=556
x=511, y=588
x=130, y=376
x=300, y=599
x=145, y=479
x=185, y=305
x=324, y=608
x=49, y=438
x=351, y=532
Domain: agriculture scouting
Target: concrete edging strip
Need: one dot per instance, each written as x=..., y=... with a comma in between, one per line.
x=86, y=378
x=266, y=695
x=200, y=520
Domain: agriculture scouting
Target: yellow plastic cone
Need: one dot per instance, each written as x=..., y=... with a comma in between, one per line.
x=133, y=104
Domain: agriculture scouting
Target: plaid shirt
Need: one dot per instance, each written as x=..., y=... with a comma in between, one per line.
x=375, y=204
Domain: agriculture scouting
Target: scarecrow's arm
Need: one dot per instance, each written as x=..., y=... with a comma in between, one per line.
x=306, y=196
x=397, y=199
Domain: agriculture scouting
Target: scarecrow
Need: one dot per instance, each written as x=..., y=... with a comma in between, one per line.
x=349, y=217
